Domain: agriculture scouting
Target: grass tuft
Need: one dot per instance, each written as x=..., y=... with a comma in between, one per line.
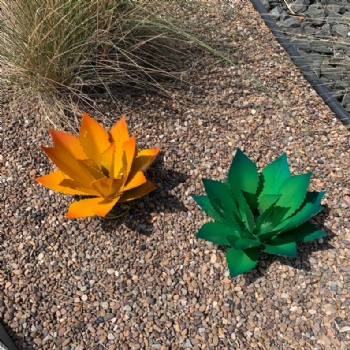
x=60, y=53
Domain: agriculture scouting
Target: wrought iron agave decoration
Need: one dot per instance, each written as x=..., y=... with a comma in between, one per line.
x=105, y=166
x=259, y=212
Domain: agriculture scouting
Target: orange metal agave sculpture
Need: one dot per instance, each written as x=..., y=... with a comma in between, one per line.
x=105, y=166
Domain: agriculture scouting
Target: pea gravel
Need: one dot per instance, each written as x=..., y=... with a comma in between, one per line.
x=144, y=281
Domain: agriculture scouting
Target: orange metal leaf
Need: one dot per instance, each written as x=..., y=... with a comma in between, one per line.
x=66, y=162
x=91, y=167
x=143, y=160
x=70, y=142
x=90, y=207
x=93, y=138
x=119, y=132
x=108, y=188
x=138, y=180
x=138, y=192
x=107, y=161
x=58, y=181
x=128, y=156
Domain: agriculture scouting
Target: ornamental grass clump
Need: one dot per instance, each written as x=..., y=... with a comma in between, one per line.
x=61, y=52
x=259, y=212
x=105, y=166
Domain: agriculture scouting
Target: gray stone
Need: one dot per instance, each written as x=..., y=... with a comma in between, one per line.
x=316, y=14
x=309, y=30
x=346, y=100
x=332, y=8
x=329, y=309
x=330, y=72
x=325, y=31
x=110, y=336
x=298, y=6
x=276, y=13
x=344, y=329
x=127, y=308
x=334, y=17
x=302, y=44
x=340, y=85
x=341, y=29
x=321, y=47
x=109, y=316
x=201, y=330
x=290, y=22
x=266, y=4
x=156, y=346
x=284, y=15
x=188, y=344
x=314, y=10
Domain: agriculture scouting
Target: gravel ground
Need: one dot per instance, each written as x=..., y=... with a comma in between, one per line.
x=144, y=281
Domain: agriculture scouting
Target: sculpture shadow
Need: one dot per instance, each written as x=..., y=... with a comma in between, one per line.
x=139, y=217
x=302, y=261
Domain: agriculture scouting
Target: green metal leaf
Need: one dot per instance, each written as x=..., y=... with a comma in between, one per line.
x=303, y=215
x=239, y=243
x=302, y=234
x=240, y=261
x=266, y=223
x=273, y=175
x=222, y=201
x=204, y=203
x=244, y=211
x=252, y=200
x=293, y=193
x=278, y=215
x=287, y=249
x=216, y=232
x=266, y=201
x=243, y=174
x=314, y=197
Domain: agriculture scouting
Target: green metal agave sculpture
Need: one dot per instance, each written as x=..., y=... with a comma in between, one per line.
x=259, y=212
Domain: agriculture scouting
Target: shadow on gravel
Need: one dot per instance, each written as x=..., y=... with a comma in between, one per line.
x=139, y=218
x=302, y=261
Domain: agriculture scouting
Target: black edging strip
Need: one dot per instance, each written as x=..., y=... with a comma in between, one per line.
x=6, y=340
x=316, y=83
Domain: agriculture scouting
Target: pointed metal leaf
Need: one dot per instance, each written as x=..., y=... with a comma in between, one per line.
x=240, y=261
x=242, y=242
x=314, y=197
x=216, y=232
x=293, y=193
x=266, y=201
x=273, y=176
x=287, y=249
x=303, y=215
x=222, y=201
x=245, y=211
x=243, y=174
x=266, y=223
x=278, y=215
x=204, y=203
x=302, y=234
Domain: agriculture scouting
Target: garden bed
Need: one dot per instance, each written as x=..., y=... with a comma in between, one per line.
x=144, y=281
